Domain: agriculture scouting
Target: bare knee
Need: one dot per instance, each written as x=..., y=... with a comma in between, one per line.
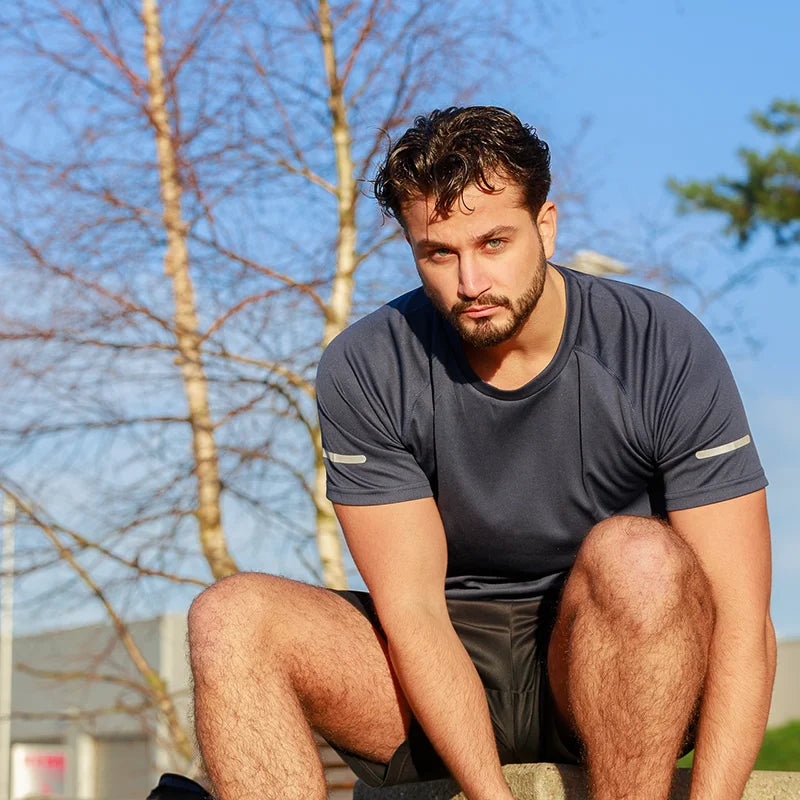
x=229, y=597
x=235, y=614
x=641, y=573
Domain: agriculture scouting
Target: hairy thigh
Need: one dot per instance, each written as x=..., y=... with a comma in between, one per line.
x=275, y=634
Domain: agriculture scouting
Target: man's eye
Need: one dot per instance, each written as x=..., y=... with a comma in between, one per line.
x=494, y=244
x=441, y=252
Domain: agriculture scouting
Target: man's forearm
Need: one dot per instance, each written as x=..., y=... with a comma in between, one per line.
x=446, y=696
x=734, y=711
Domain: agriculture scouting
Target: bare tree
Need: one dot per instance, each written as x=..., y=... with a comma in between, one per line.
x=184, y=231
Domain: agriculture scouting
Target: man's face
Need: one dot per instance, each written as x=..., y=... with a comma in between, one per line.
x=483, y=269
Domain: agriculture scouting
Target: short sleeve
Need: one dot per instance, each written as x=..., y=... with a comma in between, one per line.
x=704, y=448
x=361, y=406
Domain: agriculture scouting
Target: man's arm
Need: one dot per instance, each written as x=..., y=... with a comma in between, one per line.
x=401, y=552
x=732, y=541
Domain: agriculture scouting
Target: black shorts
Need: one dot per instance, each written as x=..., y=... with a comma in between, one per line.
x=507, y=642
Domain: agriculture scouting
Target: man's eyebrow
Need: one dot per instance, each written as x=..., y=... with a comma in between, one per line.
x=431, y=244
x=494, y=233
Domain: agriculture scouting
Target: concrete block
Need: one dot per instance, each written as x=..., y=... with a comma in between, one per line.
x=561, y=782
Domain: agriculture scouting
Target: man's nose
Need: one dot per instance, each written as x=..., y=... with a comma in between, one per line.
x=473, y=280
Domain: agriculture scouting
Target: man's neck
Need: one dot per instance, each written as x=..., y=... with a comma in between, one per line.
x=515, y=362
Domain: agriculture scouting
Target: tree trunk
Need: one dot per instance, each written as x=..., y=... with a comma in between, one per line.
x=341, y=299
x=176, y=265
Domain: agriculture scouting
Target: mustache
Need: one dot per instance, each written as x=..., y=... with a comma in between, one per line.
x=483, y=300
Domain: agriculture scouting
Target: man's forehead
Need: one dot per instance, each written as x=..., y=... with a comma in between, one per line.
x=424, y=206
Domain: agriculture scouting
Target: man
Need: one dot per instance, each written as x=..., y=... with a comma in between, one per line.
x=548, y=484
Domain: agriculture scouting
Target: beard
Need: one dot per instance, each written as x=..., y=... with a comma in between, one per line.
x=484, y=332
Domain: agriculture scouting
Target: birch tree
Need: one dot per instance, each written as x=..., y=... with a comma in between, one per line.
x=185, y=229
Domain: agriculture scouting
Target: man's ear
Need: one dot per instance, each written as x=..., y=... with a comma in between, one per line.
x=547, y=225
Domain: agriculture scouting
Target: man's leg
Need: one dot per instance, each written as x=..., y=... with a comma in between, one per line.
x=271, y=660
x=627, y=658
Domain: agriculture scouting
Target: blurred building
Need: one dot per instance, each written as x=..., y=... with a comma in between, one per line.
x=81, y=736
x=786, y=693
x=594, y=263
x=77, y=729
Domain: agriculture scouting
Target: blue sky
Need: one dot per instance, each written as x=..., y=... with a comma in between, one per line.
x=668, y=87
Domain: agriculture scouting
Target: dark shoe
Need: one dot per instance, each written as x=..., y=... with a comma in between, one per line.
x=177, y=787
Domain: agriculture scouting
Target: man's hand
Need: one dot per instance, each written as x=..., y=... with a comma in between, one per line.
x=401, y=552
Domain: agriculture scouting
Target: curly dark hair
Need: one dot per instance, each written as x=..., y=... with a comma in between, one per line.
x=446, y=151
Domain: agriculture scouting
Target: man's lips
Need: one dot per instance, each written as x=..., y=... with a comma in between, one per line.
x=476, y=312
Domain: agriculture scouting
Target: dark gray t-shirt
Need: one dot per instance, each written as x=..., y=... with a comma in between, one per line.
x=637, y=413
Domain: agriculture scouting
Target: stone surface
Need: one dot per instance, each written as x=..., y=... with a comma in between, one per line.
x=560, y=782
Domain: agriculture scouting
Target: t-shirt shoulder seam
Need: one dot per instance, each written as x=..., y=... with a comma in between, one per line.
x=580, y=349
x=412, y=408
x=638, y=413
x=596, y=358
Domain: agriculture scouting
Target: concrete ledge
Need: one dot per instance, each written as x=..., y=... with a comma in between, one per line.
x=560, y=782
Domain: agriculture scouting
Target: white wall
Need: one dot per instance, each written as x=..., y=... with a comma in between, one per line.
x=786, y=694
x=103, y=745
